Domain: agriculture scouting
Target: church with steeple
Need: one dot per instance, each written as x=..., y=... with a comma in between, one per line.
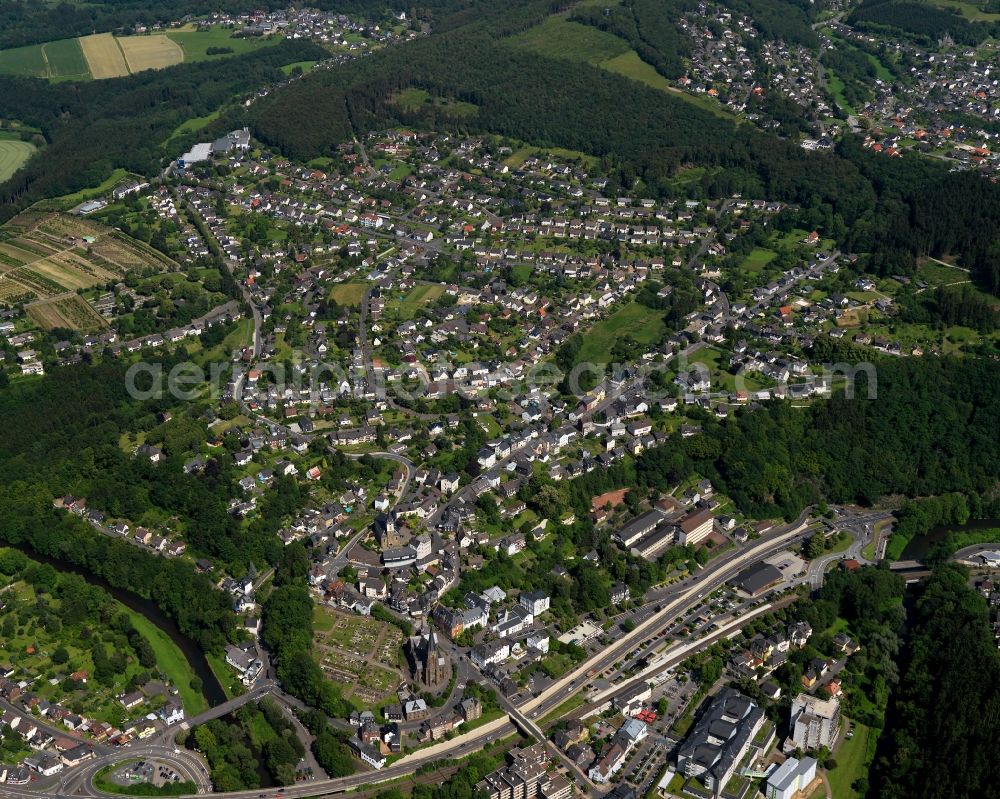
x=431, y=666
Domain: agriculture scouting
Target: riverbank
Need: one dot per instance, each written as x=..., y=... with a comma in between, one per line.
x=945, y=540
x=171, y=661
x=182, y=648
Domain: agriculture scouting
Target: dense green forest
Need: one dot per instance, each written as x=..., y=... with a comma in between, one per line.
x=61, y=436
x=922, y=21
x=943, y=725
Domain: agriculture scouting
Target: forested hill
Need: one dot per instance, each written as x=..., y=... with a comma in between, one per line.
x=893, y=210
x=943, y=726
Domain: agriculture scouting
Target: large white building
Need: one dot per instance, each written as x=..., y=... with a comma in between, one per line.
x=815, y=721
x=790, y=777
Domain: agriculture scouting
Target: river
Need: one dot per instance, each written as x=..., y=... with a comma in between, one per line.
x=211, y=688
x=920, y=545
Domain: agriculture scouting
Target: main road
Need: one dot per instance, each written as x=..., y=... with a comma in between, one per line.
x=683, y=598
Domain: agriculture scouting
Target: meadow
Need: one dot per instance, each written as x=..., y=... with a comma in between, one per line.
x=643, y=324
x=14, y=154
x=559, y=37
x=348, y=293
x=59, y=60
x=195, y=44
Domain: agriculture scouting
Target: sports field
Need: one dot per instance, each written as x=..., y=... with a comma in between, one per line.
x=14, y=153
x=104, y=56
x=150, y=52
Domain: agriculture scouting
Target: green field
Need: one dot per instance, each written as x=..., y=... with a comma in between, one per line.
x=643, y=324
x=69, y=200
x=348, y=293
x=413, y=99
x=171, y=661
x=837, y=90
x=305, y=66
x=852, y=762
x=418, y=297
x=195, y=43
x=195, y=124
x=28, y=61
x=65, y=60
x=758, y=259
x=14, y=153
x=58, y=60
x=557, y=37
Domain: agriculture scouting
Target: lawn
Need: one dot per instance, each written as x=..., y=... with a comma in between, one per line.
x=643, y=324
x=758, y=259
x=852, y=762
x=14, y=154
x=195, y=43
x=349, y=294
x=231, y=686
x=240, y=336
x=171, y=661
x=417, y=298
x=305, y=66
x=837, y=90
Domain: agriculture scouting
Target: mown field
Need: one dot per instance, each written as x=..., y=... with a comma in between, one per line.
x=559, y=37
x=348, y=293
x=103, y=55
x=14, y=153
